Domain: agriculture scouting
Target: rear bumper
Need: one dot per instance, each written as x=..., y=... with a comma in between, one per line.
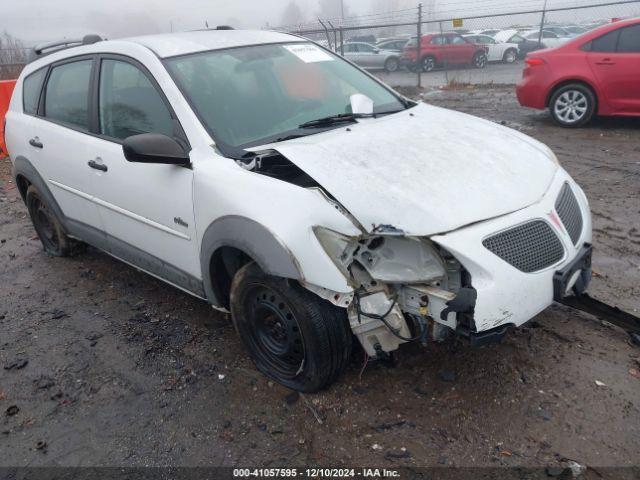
x=532, y=90
x=506, y=295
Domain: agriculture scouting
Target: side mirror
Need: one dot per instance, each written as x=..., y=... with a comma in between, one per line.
x=376, y=50
x=154, y=148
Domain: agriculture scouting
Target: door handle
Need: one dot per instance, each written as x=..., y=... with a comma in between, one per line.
x=98, y=166
x=34, y=142
x=606, y=61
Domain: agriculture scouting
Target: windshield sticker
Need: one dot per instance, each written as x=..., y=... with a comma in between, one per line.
x=309, y=53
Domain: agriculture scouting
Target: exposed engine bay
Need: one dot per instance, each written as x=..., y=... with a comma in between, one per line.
x=404, y=289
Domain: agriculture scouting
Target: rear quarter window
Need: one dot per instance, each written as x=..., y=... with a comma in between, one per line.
x=606, y=42
x=31, y=88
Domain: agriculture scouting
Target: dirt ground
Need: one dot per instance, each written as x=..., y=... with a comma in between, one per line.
x=123, y=370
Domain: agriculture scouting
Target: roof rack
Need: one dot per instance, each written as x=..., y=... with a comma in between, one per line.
x=48, y=48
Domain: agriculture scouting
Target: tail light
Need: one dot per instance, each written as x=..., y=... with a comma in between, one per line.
x=534, y=62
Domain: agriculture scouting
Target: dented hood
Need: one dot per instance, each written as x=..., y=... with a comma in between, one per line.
x=427, y=170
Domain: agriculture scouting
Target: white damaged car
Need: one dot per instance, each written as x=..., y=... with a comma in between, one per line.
x=276, y=180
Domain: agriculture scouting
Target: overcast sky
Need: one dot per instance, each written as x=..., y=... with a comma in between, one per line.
x=35, y=21
x=40, y=20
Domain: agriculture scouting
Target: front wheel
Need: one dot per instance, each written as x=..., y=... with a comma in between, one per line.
x=479, y=60
x=572, y=105
x=293, y=336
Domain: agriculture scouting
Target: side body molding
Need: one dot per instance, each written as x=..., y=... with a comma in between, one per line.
x=252, y=238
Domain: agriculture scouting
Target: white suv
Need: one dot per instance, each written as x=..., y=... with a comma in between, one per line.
x=276, y=180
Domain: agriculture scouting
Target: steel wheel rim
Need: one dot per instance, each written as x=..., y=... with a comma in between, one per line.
x=274, y=332
x=428, y=64
x=571, y=106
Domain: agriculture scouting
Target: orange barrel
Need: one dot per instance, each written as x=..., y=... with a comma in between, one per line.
x=6, y=89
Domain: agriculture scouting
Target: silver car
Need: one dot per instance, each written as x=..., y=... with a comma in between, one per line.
x=368, y=56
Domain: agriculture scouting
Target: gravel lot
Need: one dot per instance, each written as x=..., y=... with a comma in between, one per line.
x=122, y=370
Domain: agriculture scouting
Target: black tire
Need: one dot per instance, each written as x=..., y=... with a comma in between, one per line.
x=391, y=65
x=510, y=56
x=54, y=240
x=479, y=60
x=293, y=336
x=572, y=105
x=428, y=64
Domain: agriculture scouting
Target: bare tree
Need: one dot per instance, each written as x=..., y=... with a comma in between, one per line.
x=13, y=56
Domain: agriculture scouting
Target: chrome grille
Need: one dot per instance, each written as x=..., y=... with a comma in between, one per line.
x=569, y=212
x=529, y=247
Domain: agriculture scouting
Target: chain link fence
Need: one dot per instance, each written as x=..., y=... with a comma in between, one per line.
x=463, y=49
x=456, y=49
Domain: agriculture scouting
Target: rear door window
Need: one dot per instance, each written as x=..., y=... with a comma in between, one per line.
x=629, y=40
x=605, y=43
x=31, y=91
x=67, y=94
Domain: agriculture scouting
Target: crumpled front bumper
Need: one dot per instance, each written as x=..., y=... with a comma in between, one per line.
x=506, y=295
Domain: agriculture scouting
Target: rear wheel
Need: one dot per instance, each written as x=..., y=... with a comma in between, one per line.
x=54, y=240
x=428, y=64
x=293, y=336
x=572, y=105
x=391, y=65
x=510, y=56
x=479, y=60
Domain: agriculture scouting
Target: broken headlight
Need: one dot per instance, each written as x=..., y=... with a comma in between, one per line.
x=390, y=259
x=337, y=247
x=393, y=259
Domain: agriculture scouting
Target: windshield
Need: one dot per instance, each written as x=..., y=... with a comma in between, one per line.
x=252, y=95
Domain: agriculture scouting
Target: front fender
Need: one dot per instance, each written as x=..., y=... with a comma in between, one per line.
x=270, y=220
x=262, y=245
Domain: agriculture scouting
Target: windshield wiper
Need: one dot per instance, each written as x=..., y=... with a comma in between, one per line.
x=346, y=117
x=331, y=120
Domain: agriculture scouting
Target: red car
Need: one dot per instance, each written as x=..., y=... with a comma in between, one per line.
x=441, y=50
x=597, y=73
